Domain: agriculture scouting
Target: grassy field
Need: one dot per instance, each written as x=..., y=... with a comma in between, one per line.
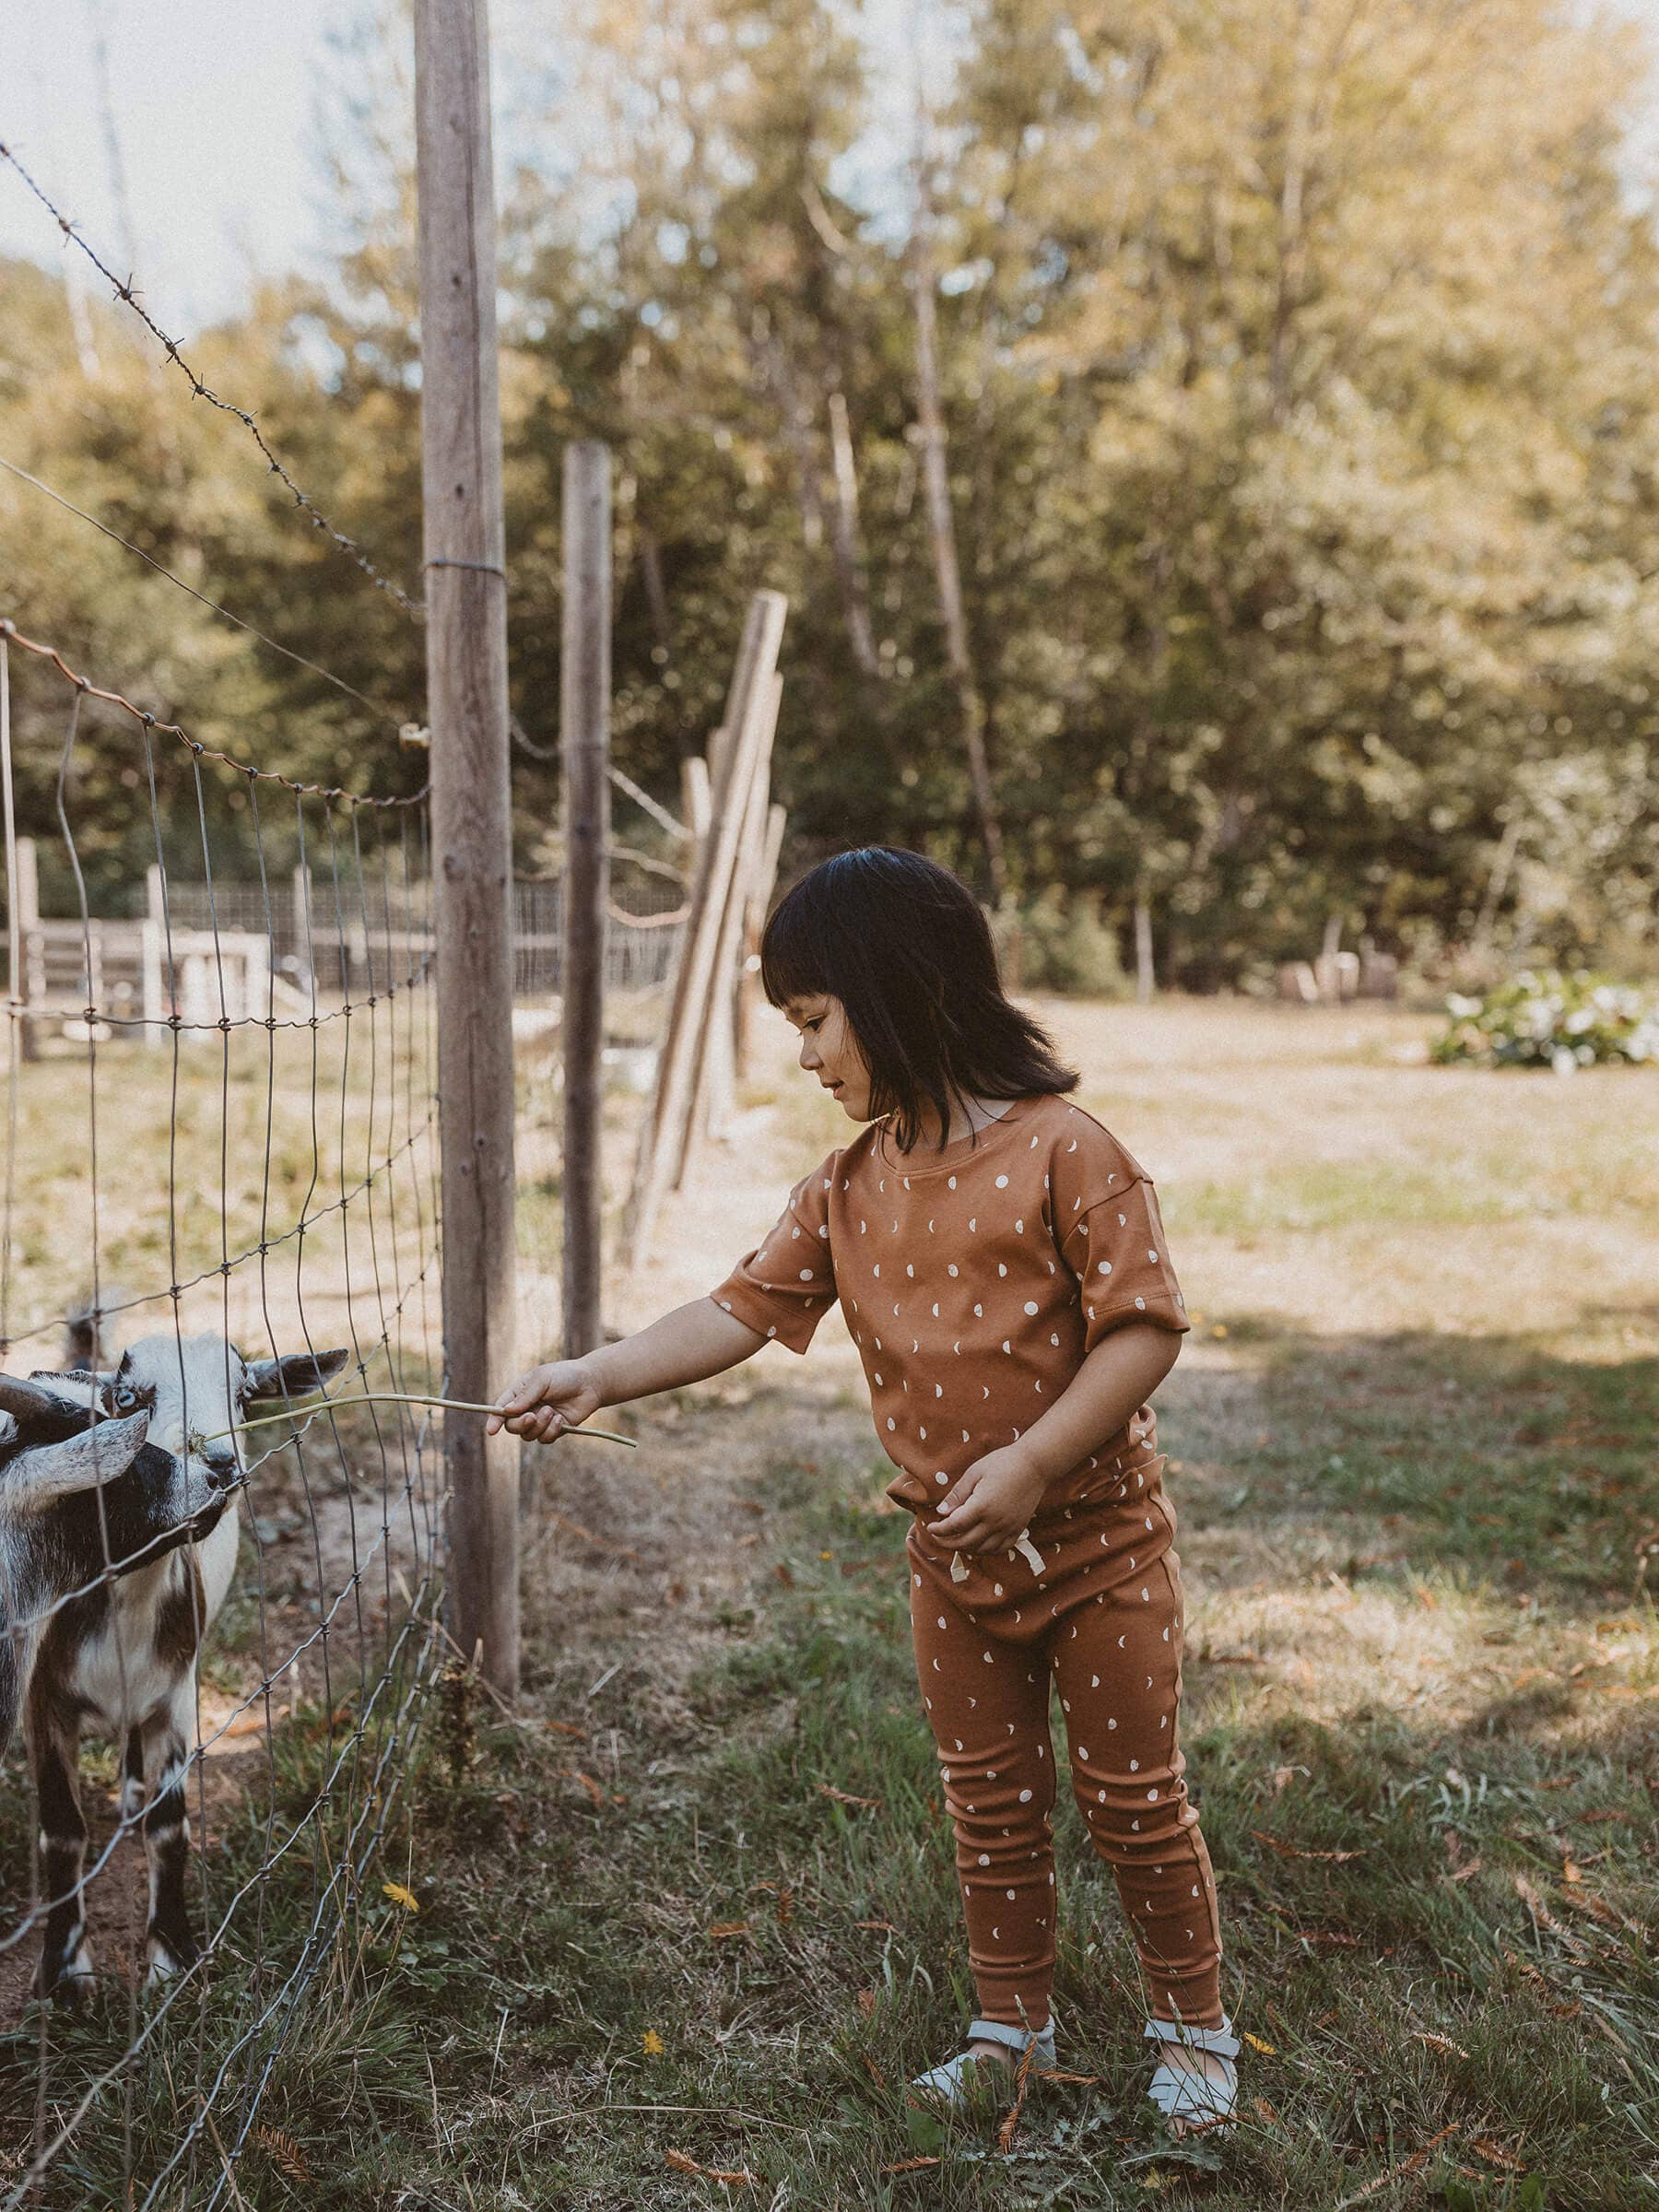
x=685, y=1920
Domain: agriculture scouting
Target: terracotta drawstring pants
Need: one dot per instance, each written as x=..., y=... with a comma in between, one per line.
x=1103, y=1620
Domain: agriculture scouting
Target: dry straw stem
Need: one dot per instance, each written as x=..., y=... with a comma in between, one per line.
x=400, y=1397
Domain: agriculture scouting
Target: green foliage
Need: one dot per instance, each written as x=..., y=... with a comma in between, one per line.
x=1549, y=1019
x=1302, y=438
x=1064, y=945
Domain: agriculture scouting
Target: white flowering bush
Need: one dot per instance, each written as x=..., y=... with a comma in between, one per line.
x=1543, y=1019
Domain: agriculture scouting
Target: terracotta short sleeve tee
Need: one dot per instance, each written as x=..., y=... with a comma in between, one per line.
x=974, y=1281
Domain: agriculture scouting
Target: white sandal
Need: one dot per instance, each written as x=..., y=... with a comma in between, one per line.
x=954, y=2081
x=1194, y=2098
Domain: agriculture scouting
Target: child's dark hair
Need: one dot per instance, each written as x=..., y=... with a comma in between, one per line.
x=904, y=945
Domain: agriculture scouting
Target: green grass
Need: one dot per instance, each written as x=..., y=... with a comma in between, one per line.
x=1423, y=1636
x=492, y=2050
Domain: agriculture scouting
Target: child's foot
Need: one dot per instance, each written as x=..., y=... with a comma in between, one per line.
x=989, y=2043
x=1196, y=2085
x=1218, y=2073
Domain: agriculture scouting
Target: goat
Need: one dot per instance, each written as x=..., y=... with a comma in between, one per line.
x=122, y=1653
x=80, y=1497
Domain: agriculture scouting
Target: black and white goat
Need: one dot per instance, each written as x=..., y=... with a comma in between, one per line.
x=112, y=1574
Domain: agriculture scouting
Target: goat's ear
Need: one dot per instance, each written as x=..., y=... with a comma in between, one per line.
x=40, y=1477
x=74, y=1389
x=298, y=1376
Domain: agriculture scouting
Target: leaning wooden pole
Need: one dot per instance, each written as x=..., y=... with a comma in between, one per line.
x=468, y=711
x=585, y=725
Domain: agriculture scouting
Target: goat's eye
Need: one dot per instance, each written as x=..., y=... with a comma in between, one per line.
x=124, y=1397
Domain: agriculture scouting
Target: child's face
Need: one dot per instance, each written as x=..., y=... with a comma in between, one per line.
x=829, y=1050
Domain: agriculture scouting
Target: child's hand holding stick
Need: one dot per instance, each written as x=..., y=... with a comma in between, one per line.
x=690, y=1344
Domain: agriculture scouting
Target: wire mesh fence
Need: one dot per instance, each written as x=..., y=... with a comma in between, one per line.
x=220, y=1201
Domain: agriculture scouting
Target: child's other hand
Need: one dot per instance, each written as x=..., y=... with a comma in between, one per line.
x=986, y=1508
x=542, y=1405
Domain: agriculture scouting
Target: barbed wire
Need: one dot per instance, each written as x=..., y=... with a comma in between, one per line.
x=13, y=636
x=127, y=293
x=376, y=706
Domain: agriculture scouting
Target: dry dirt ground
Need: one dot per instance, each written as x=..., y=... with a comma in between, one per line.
x=1324, y=1190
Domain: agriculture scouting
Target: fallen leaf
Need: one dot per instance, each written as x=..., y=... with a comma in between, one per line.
x=587, y=1782
x=866, y=2003
x=1464, y=1873
x=400, y=1895
x=744, y=1542
x=1414, y=2164
x=1495, y=2155
x=1294, y=1850
x=1556, y=1781
x=866, y=1804
x=724, y=1928
x=1022, y=2083
x=1598, y=1909
x=750, y=1505
x=1441, y=2042
x=564, y=1728
x=1265, y=2111
x=740, y=2179
x=783, y=1575
x=284, y=2153
x=1562, y=2009
x=874, y=2071
x=1570, y=1871
x=885, y=1927
x=651, y=2044
x=1527, y=1891
x=1256, y=2042
x=911, y=2165
x=1606, y=1814
x=1283, y=1776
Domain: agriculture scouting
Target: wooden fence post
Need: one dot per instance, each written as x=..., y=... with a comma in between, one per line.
x=30, y=957
x=584, y=721
x=467, y=712
x=716, y=1093
x=754, y=924
x=669, y=1125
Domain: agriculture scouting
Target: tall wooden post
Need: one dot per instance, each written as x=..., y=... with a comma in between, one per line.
x=472, y=852
x=585, y=730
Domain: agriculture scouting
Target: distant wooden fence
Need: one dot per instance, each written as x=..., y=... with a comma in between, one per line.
x=236, y=952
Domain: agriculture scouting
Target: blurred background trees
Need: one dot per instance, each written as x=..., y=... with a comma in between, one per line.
x=1295, y=399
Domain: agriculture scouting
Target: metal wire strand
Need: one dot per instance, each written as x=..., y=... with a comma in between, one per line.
x=128, y=294
x=329, y=1116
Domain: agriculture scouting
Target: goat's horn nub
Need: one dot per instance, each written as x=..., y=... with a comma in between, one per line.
x=27, y=1401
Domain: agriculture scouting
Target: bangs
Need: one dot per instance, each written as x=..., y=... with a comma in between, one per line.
x=794, y=958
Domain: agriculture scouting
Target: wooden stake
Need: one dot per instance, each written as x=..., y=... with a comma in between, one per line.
x=584, y=717
x=466, y=712
x=695, y=980
x=758, y=899
x=714, y=1082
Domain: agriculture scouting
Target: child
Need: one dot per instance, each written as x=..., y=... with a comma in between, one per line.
x=1001, y=1265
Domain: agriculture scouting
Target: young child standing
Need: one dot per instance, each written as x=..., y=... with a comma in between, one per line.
x=1001, y=1265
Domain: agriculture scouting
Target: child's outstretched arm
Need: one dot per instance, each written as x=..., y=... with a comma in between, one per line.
x=991, y=1504
x=688, y=1345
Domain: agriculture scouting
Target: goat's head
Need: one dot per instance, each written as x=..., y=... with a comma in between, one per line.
x=195, y=1391
x=112, y=1496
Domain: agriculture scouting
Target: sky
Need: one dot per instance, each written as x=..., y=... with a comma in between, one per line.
x=215, y=108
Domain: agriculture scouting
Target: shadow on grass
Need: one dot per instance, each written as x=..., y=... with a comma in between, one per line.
x=1487, y=1456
